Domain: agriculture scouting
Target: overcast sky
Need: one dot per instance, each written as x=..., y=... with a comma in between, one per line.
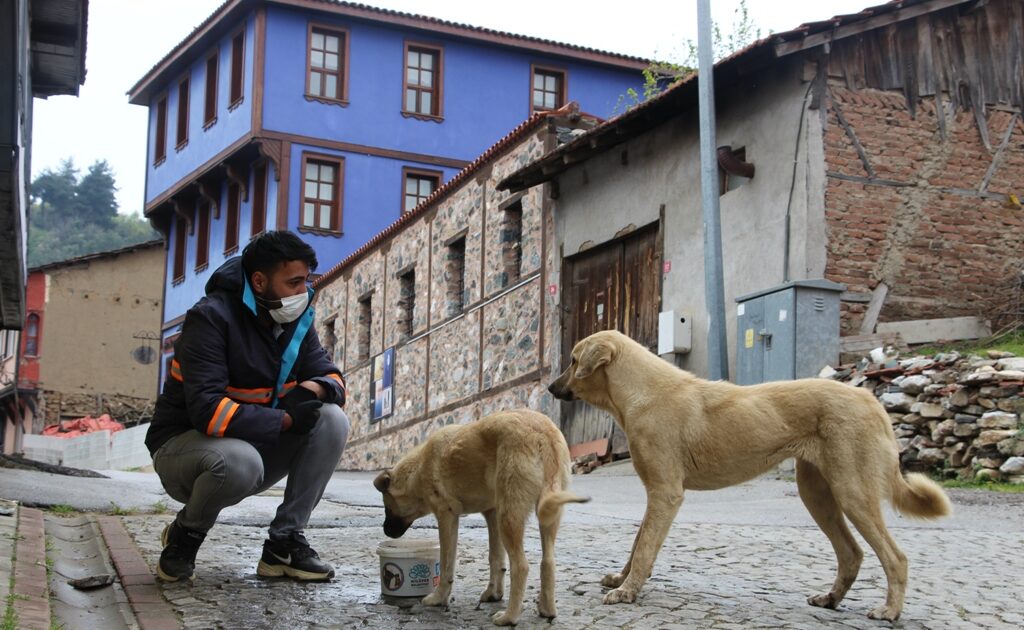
x=127, y=37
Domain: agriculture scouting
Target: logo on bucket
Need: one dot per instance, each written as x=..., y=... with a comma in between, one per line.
x=391, y=576
x=419, y=575
x=437, y=574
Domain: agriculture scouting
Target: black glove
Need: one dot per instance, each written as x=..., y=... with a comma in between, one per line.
x=305, y=416
x=297, y=395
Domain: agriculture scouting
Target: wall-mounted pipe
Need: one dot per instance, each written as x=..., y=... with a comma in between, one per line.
x=732, y=164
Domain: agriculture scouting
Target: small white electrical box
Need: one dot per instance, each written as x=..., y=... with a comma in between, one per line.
x=675, y=332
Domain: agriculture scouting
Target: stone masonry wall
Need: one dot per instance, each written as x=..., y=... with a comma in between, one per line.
x=457, y=365
x=928, y=215
x=411, y=252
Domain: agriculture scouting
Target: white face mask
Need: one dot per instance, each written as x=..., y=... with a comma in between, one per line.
x=291, y=308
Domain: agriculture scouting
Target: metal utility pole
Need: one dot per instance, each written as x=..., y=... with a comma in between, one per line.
x=714, y=284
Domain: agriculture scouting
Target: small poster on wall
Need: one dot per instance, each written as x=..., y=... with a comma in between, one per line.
x=382, y=391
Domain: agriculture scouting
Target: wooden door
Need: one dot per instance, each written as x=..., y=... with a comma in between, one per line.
x=615, y=286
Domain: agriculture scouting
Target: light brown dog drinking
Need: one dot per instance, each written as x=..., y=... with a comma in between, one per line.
x=688, y=433
x=505, y=466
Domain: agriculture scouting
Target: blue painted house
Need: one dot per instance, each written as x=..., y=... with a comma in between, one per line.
x=331, y=119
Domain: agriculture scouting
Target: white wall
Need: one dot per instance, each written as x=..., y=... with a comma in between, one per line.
x=601, y=197
x=101, y=450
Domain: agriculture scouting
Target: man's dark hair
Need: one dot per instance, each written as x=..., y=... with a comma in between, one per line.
x=269, y=249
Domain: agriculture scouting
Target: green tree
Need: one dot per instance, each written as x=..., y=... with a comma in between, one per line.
x=94, y=199
x=72, y=216
x=52, y=190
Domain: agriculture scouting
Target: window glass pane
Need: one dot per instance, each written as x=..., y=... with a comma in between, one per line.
x=412, y=76
x=410, y=100
x=327, y=192
x=310, y=190
x=413, y=60
x=549, y=83
x=426, y=187
x=316, y=59
x=318, y=40
x=426, y=106
x=307, y=214
x=330, y=86
x=332, y=43
x=549, y=100
x=314, y=84
x=538, y=99
x=325, y=216
x=427, y=79
x=331, y=61
x=538, y=81
x=326, y=173
x=311, y=170
x=427, y=61
x=410, y=185
x=410, y=202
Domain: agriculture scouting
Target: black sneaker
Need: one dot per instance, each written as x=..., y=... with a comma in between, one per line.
x=293, y=557
x=178, y=559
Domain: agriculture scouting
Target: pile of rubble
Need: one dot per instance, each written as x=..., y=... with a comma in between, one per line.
x=959, y=416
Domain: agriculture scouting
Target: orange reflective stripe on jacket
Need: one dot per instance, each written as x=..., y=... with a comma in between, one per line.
x=221, y=417
x=176, y=370
x=287, y=387
x=258, y=395
x=340, y=380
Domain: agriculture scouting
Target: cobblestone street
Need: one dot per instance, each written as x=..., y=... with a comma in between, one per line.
x=734, y=569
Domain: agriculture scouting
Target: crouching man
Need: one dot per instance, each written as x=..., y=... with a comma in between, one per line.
x=250, y=398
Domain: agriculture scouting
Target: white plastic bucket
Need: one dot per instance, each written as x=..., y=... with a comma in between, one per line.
x=409, y=568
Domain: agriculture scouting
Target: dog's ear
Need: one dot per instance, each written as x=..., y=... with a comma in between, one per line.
x=594, y=355
x=383, y=481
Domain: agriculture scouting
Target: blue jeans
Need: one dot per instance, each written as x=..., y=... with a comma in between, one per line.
x=208, y=474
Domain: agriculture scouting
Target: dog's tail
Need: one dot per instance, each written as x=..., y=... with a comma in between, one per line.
x=547, y=508
x=918, y=496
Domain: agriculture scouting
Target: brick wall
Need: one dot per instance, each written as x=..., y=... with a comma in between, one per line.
x=923, y=209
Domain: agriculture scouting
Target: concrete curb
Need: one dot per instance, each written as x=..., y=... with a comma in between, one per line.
x=31, y=586
x=152, y=611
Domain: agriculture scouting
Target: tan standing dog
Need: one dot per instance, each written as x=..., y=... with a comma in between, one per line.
x=505, y=466
x=688, y=433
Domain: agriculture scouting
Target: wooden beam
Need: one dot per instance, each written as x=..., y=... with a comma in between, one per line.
x=862, y=344
x=271, y=150
x=852, y=135
x=577, y=156
x=867, y=326
x=999, y=154
x=211, y=196
x=869, y=180
x=180, y=210
x=239, y=177
x=783, y=48
x=550, y=168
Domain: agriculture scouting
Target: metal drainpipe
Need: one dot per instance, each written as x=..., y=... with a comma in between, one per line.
x=714, y=289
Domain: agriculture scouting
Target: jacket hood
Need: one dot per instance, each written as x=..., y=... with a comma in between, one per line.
x=229, y=278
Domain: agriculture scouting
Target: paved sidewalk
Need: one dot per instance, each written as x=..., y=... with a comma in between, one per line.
x=26, y=602
x=743, y=557
x=706, y=577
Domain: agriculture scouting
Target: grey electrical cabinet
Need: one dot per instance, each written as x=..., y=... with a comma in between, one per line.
x=788, y=331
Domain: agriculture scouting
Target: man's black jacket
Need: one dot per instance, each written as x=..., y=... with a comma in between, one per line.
x=225, y=367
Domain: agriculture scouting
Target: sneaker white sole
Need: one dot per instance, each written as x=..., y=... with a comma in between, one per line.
x=170, y=578
x=159, y=573
x=280, y=570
